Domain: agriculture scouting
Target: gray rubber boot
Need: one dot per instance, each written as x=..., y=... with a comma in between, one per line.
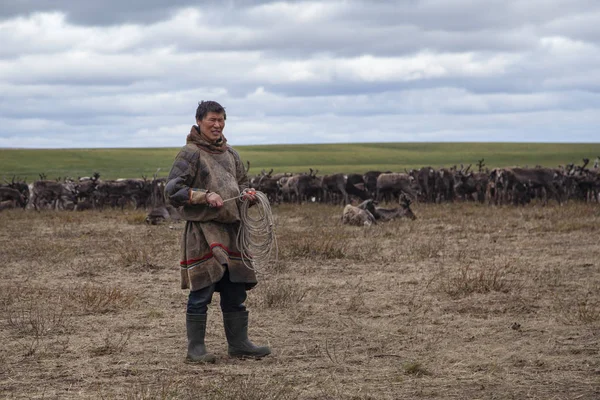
x=196, y=329
x=236, y=330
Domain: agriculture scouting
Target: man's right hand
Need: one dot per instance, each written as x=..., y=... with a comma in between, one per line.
x=202, y=196
x=214, y=200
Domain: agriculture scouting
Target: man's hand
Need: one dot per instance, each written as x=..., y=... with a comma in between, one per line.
x=249, y=195
x=214, y=200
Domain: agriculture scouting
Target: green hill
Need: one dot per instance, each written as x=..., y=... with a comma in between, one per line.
x=327, y=158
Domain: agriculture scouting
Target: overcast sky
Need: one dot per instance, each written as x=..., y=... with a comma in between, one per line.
x=130, y=73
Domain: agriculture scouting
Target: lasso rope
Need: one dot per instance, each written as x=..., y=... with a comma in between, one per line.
x=256, y=238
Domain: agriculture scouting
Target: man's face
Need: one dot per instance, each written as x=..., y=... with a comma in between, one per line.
x=212, y=125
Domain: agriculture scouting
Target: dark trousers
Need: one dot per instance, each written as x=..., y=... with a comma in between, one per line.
x=233, y=296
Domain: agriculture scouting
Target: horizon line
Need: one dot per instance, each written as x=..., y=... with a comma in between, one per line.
x=303, y=144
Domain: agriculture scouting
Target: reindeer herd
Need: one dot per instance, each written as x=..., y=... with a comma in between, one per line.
x=81, y=194
x=499, y=186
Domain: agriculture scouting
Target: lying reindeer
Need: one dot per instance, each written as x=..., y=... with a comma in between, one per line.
x=388, y=214
x=353, y=215
x=404, y=211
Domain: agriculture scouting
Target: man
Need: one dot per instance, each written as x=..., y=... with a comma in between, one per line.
x=206, y=179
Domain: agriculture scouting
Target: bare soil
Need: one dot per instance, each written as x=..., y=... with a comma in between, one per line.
x=466, y=302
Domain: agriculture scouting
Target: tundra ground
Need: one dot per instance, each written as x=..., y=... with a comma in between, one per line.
x=466, y=302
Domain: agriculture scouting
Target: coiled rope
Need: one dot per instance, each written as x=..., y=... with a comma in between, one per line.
x=256, y=239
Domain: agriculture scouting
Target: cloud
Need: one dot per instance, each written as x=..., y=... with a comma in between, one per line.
x=75, y=74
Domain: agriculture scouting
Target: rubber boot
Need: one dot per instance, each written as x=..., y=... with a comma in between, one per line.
x=236, y=330
x=196, y=329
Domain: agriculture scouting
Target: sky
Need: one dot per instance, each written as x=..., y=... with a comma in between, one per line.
x=92, y=74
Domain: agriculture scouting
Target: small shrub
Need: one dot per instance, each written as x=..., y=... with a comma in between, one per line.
x=281, y=294
x=137, y=218
x=38, y=318
x=29, y=345
x=155, y=314
x=113, y=343
x=94, y=299
x=580, y=309
x=588, y=311
x=131, y=253
x=483, y=279
x=415, y=368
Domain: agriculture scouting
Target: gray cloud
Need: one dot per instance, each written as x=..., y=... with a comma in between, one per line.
x=107, y=12
x=115, y=74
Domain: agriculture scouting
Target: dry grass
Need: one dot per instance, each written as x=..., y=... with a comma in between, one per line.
x=96, y=299
x=229, y=388
x=415, y=368
x=486, y=277
x=468, y=301
x=111, y=343
x=279, y=294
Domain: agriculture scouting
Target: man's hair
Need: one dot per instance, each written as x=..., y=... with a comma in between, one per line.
x=204, y=107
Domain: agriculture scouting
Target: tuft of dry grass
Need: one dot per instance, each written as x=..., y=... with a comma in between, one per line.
x=136, y=217
x=137, y=254
x=96, y=299
x=415, y=368
x=483, y=278
x=313, y=247
x=580, y=308
x=280, y=294
x=112, y=343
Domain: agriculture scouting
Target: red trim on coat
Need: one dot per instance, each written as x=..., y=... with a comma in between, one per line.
x=209, y=255
x=233, y=253
x=195, y=260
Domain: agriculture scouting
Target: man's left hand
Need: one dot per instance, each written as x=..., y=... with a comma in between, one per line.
x=249, y=195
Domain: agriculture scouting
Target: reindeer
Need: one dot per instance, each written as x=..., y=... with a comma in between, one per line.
x=357, y=216
x=11, y=198
x=388, y=214
x=160, y=209
x=404, y=211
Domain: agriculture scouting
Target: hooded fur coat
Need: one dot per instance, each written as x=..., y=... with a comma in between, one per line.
x=208, y=244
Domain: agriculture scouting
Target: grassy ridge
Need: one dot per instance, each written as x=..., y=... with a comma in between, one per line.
x=327, y=158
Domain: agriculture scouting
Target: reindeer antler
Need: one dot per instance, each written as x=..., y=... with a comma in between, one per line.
x=585, y=162
x=480, y=165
